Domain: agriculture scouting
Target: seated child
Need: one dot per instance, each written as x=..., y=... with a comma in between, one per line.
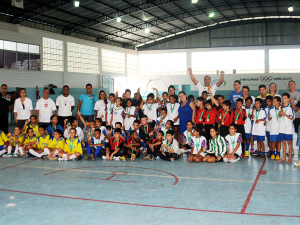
x=3, y=139
x=146, y=130
x=57, y=145
x=42, y=142
x=132, y=146
x=72, y=148
x=30, y=142
x=94, y=145
x=234, y=142
x=53, y=126
x=114, y=149
x=217, y=147
x=187, y=137
x=162, y=120
x=15, y=143
x=123, y=135
x=170, y=148
x=168, y=126
x=154, y=146
x=198, y=144
x=31, y=123
x=74, y=124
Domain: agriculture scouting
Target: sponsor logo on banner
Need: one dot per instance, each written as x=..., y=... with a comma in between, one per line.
x=217, y=80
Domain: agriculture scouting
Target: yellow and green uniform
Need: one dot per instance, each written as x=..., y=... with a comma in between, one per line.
x=14, y=141
x=57, y=143
x=43, y=141
x=35, y=129
x=73, y=146
x=30, y=140
x=3, y=138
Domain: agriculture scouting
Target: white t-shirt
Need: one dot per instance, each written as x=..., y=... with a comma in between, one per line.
x=79, y=133
x=163, y=124
x=109, y=111
x=253, y=101
x=101, y=107
x=296, y=95
x=202, y=88
x=64, y=105
x=23, y=113
x=150, y=110
x=274, y=122
x=46, y=108
x=173, y=108
x=187, y=137
x=259, y=129
x=117, y=114
x=248, y=124
x=174, y=146
x=98, y=141
x=198, y=143
x=129, y=121
x=286, y=125
x=267, y=109
x=232, y=141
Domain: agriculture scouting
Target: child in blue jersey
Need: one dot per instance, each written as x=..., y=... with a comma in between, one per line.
x=95, y=145
x=53, y=126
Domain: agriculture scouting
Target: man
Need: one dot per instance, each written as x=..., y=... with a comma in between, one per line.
x=207, y=81
x=236, y=94
x=6, y=105
x=44, y=109
x=262, y=89
x=295, y=97
x=65, y=103
x=135, y=101
x=86, y=105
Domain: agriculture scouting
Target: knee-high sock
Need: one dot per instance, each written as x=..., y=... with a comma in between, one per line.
x=2, y=152
x=64, y=156
x=247, y=146
x=16, y=149
x=233, y=160
x=32, y=152
x=9, y=148
x=55, y=153
x=45, y=152
x=21, y=150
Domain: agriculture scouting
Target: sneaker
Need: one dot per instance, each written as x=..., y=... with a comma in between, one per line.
x=251, y=150
x=7, y=156
x=151, y=157
x=269, y=154
x=297, y=164
x=255, y=153
x=25, y=156
x=247, y=153
x=145, y=151
x=244, y=156
x=172, y=160
x=147, y=157
x=277, y=157
x=92, y=158
x=273, y=156
x=132, y=157
x=122, y=158
x=104, y=157
x=53, y=159
x=158, y=158
x=86, y=157
x=75, y=159
x=45, y=157
x=15, y=155
x=60, y=159
x=262, y=156
x=116, y=158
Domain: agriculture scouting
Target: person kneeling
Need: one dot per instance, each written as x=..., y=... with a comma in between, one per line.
x=233, y=141
x=114, y=149
x=72, y=149
x=170, y=148
x=198, y=144
x=95, y=144
x=133, y=145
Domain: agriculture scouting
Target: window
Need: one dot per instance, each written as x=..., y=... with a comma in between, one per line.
x=243, y=62
x=284, y=60
x=113, y=61
x=10, y=59
x=82, y=58
x=132, y=65
x=162, y=64
x=52, y=54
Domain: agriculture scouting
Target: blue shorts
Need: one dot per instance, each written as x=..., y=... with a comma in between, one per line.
x=1, y=147
x=258, y=138
x=248, y=135
x=267, y=134
x=274, y=137
x=285, y=137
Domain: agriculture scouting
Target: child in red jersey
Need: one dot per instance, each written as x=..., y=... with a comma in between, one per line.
x=133, y=145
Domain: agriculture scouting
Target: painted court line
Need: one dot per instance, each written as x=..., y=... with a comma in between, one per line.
x=159, y=176
x=144, y=205
x=13, y=165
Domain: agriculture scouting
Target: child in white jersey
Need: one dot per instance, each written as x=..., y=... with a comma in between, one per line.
x=110, y=105
x=95, y=145
x=269, y=101
x=117, y=114
x=130, y=115
x=172, y=113
x=248, y=124
x=198, y=145
x=162, y=119
x=234, y=145
x=187, y=137
x=150, y=108
x=168, y=126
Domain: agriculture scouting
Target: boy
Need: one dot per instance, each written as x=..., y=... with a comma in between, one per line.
x=95, y=144
x=274, y=121
x=269, y=101
x=154, y=147
x=263, y=95
x=74, y=124
x=287, y=116
x=42, y=144
x=259, y=129
x=248, y=124
x=31, y=123
x=204, y=96
x=162, y=120
x=114, y=149
x=239, y=117
x=118, y=125
x=220, y=99
x=165, y=100
x=145, y=130
x=170, y=148
x=132, y=146
x=135, y=126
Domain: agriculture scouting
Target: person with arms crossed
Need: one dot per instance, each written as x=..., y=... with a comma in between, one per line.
x=236, y=94
x=22, y=108
x=65, y=104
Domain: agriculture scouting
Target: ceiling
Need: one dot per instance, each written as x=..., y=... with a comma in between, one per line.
x=164, y=18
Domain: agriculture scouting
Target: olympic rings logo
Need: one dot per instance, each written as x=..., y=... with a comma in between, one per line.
x=266, y=78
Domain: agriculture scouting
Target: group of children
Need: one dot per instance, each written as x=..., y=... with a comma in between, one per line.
x=217, y=134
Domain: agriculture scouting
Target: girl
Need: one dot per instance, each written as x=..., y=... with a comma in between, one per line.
x=187, y=137
x=117, y=113
x=29, y=142
x=31, y=123
x=172, y=113
x=72, y=149
x=41, y=144
x=150, y=108
x=198, y=144
x=210, y=117
x=164, y=101
x=15, y=143
x=217, y=147
x=110, y=105
x=56, y=146
x=54, y=126
x=130, y=114
x=200, y=112
x=168, y=126
x=170, y=148
x=3, y=139
x=234, y=142
x=101, y=106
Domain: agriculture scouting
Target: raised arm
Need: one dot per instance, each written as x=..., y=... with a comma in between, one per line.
x=82, y=120
x=212, y=98
x=221, y=79
x=192, y=76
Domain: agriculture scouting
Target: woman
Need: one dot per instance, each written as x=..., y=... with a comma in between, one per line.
x=186, y=112
x=23, y=108
x=171, y=91
x=273, y=90
x=101, y=106
x=245, y=92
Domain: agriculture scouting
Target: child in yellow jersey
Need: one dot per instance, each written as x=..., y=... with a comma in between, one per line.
x=42, y=142
x=72, y=149
x=15, y=143
x=3, y=139
x=31, y=123
x=29, y=142
x=56, y=145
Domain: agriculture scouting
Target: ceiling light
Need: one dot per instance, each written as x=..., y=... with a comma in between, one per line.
x=119, y=19
x=211, y=15
x=147, y=30
x=291, y=9
x=194, y=1
x=76, y=3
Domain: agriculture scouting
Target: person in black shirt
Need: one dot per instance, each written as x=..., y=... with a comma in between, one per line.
x=6, y=105
x=135, y=101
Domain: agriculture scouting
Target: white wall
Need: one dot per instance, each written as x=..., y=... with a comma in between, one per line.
x=15, y=78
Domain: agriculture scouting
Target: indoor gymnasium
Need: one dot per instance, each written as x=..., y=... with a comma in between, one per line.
x=149, y=112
